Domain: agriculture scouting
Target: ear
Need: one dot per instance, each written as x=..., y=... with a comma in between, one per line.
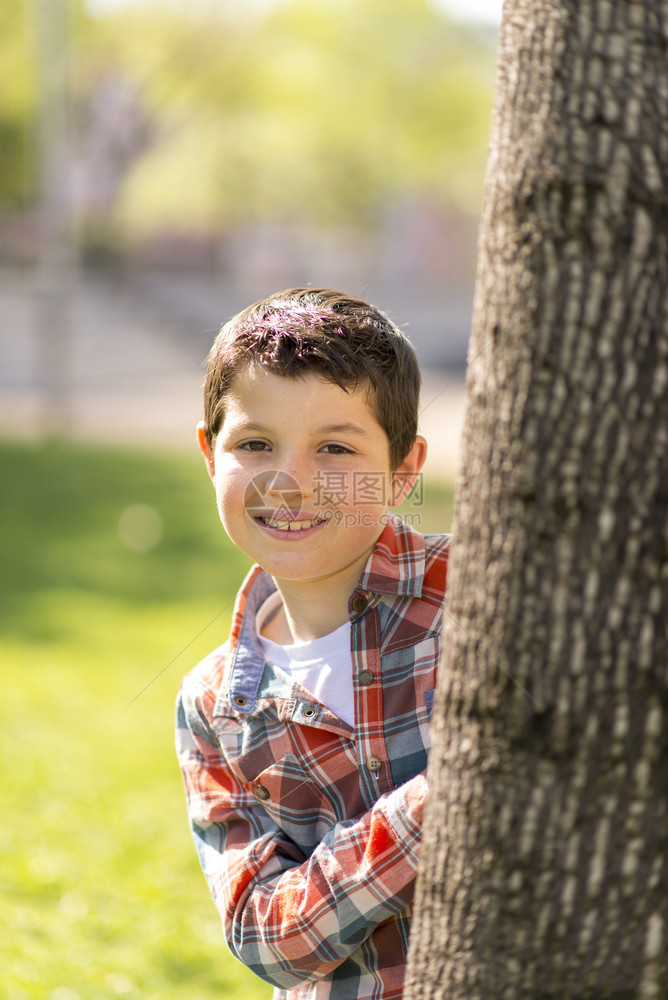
x=406, y=474
x=205, y=448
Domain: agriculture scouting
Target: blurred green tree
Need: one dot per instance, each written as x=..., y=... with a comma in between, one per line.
x=297, y=110
x=300, y=110
x=17, y=108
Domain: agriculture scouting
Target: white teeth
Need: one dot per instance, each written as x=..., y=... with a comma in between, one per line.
x=289, y=525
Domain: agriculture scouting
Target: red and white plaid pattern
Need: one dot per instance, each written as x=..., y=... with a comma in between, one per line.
x=308, y=831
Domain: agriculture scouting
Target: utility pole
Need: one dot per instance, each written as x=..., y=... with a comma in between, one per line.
x=56, y=253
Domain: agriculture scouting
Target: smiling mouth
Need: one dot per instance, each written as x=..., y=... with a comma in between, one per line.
x=294, y=525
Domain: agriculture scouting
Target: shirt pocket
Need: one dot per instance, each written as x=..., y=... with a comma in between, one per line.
x=294, y=801
x=306, y=779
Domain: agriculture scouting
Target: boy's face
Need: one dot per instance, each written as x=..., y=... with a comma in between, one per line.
x=302, y=475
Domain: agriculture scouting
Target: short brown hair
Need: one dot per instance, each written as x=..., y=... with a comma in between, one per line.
x=319, y=331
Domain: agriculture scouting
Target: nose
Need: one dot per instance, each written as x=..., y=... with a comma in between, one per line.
x=292, y=481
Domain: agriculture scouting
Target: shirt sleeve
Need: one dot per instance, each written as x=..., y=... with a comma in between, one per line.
x=291, y=918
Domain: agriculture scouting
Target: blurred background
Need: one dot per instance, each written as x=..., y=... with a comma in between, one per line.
x=162, y=165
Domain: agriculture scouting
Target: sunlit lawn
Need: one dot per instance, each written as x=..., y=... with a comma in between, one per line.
x=102, y=893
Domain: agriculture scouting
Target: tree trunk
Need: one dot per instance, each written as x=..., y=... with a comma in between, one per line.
x=546, y=839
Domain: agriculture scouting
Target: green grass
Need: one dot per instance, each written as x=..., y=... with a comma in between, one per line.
x=102, y=892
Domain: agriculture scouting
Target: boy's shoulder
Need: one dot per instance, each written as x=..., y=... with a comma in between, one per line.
x=407, y=563
x=437, y=553
x=437, y=546
x=201, y=685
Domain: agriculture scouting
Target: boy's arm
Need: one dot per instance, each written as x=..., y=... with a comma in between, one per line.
x=289, y=918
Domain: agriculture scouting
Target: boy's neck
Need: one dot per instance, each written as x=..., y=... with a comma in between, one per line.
x=309, y=613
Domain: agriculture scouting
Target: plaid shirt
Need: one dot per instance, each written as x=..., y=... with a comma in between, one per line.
x=308, y=831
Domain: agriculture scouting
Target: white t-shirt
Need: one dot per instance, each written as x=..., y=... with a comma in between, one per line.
x=323, y=666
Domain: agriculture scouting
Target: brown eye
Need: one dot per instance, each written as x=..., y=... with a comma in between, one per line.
x=255, y=445
x=336, y=449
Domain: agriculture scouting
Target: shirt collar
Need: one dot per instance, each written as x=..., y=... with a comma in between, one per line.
x=396, y=567
x=397, y=564
x=246, y=656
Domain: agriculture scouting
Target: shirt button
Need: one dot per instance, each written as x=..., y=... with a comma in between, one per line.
x=262, y=793
x=359, y=603
x=366, y=677
x=374, y=764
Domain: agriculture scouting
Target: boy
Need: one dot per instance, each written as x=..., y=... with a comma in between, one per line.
x=303, y=740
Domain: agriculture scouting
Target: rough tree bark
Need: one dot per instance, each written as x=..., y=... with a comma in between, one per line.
x=544, y=858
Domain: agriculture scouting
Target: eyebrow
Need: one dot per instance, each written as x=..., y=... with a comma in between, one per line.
x=252, y=425
x=342, y=429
